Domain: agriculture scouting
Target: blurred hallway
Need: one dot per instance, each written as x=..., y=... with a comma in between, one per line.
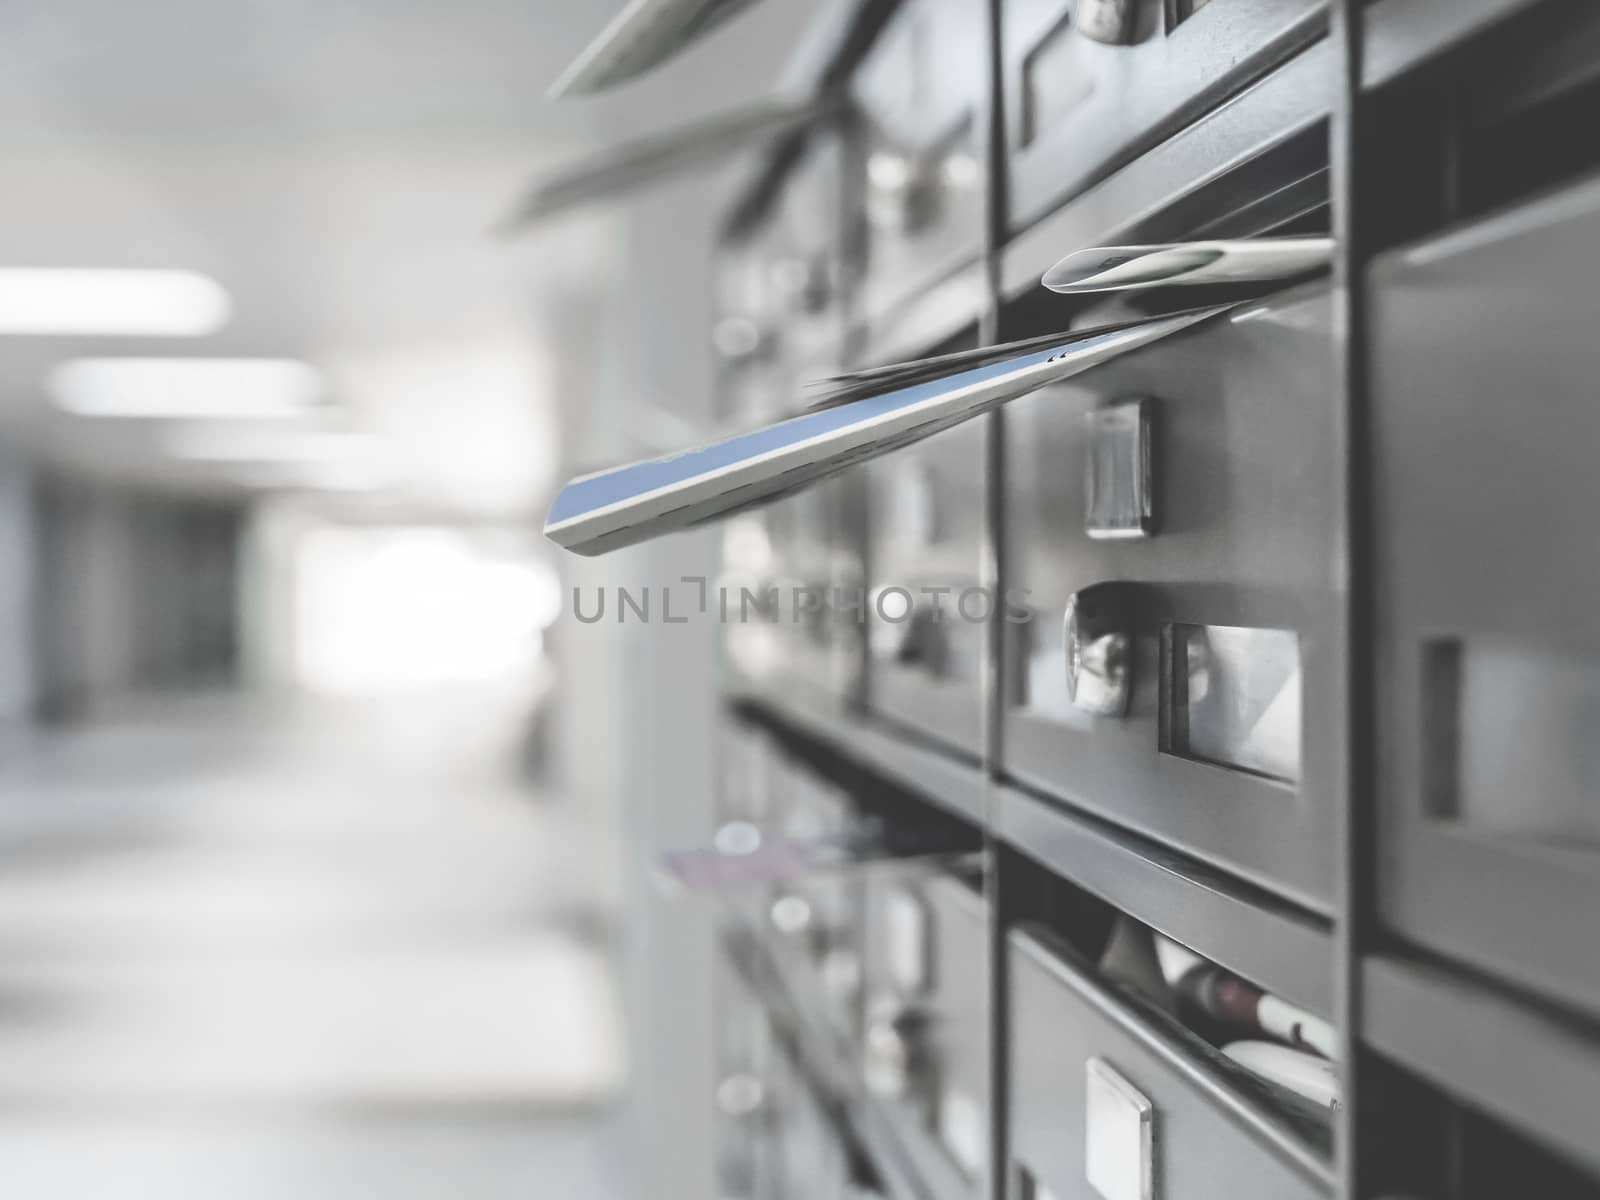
x=281, y=411
x=320, y=949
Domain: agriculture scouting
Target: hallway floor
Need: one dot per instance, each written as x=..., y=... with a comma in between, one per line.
x=323, y=951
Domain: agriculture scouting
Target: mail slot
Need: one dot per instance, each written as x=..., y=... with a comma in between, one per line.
x=1092, y=83
x=814, y=570
x=777, y=1135
x=784, y=597
x=813, y=922
x=924, y=609
x=778, y=286
x=1181, y=676
x=806, y=249
x=750, y=385
x=1106, y=1106
x=919, y=94
x=1484, y=361
x=810, y=1159
x=782, y=296
x=925, y=1046
x=745, y=1088
x=750, y=783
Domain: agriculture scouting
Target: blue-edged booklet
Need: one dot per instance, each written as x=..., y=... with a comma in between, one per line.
x=869, y=414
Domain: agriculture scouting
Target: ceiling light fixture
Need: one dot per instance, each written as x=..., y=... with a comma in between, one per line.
x=273, y=447
x=311, y=477
x=286, y=459
x=69, y=300
x=228, y=388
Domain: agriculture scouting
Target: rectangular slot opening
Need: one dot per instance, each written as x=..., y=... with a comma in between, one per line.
x=1524, y=154
x=1276, y=1054
x=1234, y=698
x=1522, y=132
x=1509, y=737
x=1281, y=192
x=1500, y=120
x=1427, y=1142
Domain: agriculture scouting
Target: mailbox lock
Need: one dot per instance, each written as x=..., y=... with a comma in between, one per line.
x=924, y=643
x=899, y=198
x=1109, y=21
x=1099, y=650
x=895, y=1048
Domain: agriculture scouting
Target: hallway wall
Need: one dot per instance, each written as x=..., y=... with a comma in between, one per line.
x=637, y=707
x=17, y=666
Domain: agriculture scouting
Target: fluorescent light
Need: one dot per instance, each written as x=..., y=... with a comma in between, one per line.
x=296, y=460
x=44, y=300
x=256, y=388
x=302, y=477
x=272, y=447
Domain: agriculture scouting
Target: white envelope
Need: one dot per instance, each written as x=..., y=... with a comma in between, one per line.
x=1127, y=268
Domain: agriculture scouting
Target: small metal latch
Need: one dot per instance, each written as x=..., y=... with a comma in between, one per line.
x=924, y=642
x=1108, y=21
x=1119, y=1137
x=1119, y=482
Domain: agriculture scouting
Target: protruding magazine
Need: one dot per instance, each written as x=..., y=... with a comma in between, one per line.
x=643, y=500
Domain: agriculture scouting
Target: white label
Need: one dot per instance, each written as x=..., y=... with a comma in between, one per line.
x=963, y=1131
x=1119, y=1140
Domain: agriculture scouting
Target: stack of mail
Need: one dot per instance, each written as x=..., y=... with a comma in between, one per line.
x=881, y=410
